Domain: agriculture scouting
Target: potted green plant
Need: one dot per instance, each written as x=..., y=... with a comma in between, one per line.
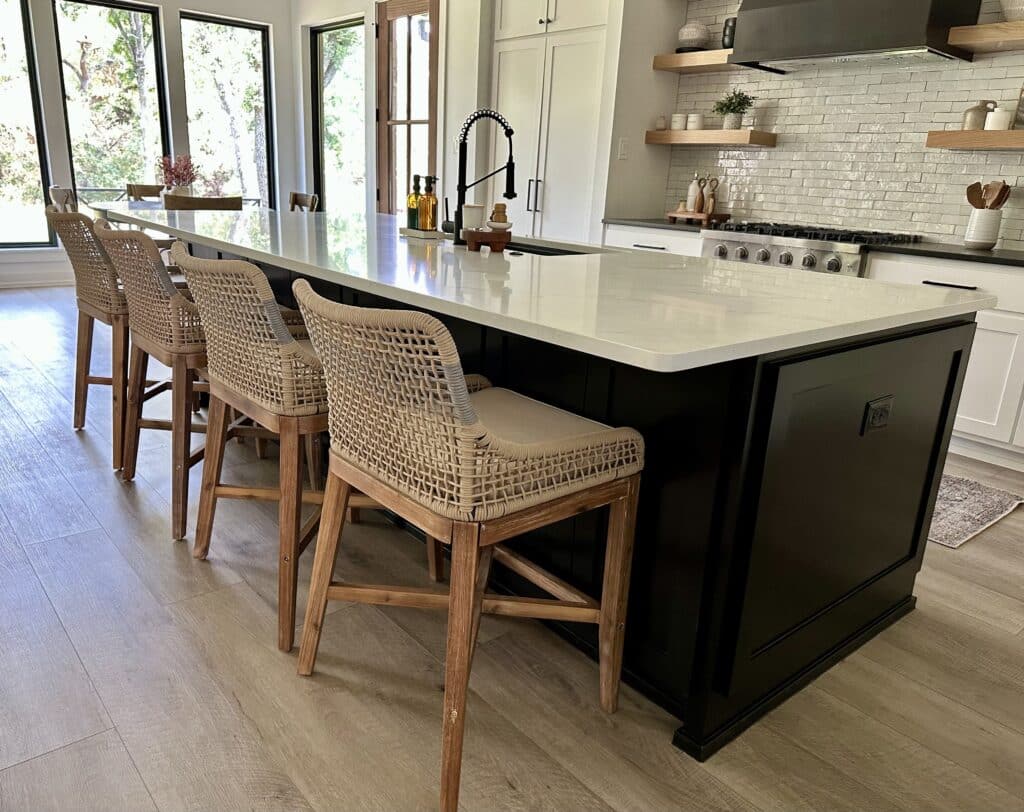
x=733, y=107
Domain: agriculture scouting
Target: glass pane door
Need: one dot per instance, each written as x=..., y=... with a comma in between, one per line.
x=407, y=103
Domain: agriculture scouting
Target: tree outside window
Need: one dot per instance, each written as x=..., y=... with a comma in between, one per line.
x=226, y=90
x=113, y=95
x=22, y=179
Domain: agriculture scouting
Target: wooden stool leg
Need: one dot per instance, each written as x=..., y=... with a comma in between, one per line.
x=435, y=559
x=181, y=444
x=469, y=569
x=119, y=379
x=261, y=448
x=83, y=361
x=213, y=461
x=314, y=461
x=331, y=521
x=618, y=562
x=355, y=515
x=290, y=520
x=136, y=389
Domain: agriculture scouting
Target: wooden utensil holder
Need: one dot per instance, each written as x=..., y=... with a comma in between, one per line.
x=497, y=240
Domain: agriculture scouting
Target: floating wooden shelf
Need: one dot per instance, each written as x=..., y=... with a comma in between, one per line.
x=976, y=139
x=696, y=62
x=713, y=138
x=989, y=38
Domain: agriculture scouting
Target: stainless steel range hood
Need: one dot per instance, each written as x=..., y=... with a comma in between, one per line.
x=786, y=35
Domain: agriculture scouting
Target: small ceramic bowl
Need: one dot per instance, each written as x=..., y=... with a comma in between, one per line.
x=493, y=226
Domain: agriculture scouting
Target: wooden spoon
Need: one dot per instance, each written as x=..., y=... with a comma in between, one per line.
x=1003, y=197
x=992, y=192
x=975, y=196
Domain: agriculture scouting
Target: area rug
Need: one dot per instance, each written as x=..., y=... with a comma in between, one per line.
x=965, y=508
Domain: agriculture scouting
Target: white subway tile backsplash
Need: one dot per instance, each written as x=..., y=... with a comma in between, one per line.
x=851, y=141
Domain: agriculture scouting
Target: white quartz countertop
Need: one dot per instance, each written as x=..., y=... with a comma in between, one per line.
x=657, y=312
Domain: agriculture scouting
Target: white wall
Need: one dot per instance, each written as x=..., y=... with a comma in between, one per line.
x=636, y=185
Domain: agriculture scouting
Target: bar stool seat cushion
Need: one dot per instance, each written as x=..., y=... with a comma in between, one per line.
x=519, y=419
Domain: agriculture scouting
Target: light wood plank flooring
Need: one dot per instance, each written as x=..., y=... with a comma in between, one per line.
x=134, y=677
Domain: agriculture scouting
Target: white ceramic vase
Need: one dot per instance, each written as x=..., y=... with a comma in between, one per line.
x=1013, y=10
x=694, y=35
x=732, y=121
x=983, y=229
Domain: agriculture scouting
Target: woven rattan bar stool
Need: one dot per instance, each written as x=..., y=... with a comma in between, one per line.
x=471, y=466
x=258, y=368
x=301, y=201
x=165, y=325
x=100, y=298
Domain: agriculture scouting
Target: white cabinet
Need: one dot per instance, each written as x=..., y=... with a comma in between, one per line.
x=990, y=404
x=565, y=15
x=520, y=18
x=523, y=18
x=549, y=89
x=994, y=386
x=661, y=240
x=518, y=95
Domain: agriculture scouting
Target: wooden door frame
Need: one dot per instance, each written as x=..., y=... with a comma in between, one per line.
x=386, y=13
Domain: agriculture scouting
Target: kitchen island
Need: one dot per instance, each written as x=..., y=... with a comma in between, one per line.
x=796, y=428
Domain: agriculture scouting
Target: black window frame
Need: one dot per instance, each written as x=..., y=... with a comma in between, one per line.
x=160, y=65
x=268, y=88
x=316, y=88
x=32, y=68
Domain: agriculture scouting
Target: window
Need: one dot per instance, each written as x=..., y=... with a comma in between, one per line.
x=407, y=97
x=228, y=98
x=23, y=178
x=113, y=94
x=338, y=80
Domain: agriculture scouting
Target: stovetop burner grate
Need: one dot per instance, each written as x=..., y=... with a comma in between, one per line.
x=820, y=233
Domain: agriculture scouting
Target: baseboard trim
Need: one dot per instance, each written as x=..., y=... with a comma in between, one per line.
x=999, y=455
x=34, y=268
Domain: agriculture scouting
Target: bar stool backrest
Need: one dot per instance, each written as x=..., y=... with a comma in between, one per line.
x=95, y=279
x=140, y=191
x=158, y=310
x=63, y=199
x=300, y=201
x=398, y=401
x=190, y=203
x=249, y=347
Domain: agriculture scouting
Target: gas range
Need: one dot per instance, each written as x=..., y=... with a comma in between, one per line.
x=819, y=249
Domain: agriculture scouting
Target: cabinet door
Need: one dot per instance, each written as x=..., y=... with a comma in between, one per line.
x=568, y=148
x=995, y=378
x=520, y=18
x=518, y=93
x=565, y=15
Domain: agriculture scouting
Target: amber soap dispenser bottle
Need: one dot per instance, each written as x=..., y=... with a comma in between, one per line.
x=413, y=204
x=428, y=206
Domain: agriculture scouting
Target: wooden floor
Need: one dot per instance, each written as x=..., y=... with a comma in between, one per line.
x=134, y=677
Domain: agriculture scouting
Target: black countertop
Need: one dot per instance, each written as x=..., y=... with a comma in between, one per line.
x=952, y=251
x=661, y=223
x=936, y=250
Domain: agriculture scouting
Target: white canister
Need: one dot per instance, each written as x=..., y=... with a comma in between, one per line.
x=472, y=216
x=695, y=121
x=679, y=121
x=999, y=119
x=983, y=229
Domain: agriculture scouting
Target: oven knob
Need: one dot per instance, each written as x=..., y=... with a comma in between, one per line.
x=786, y=258
x=764, y=255
x=834, y=265
x=742, y=253
x=721, y=252
x=810, y=261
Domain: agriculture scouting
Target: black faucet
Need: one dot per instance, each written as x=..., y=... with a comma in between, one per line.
x=509, y=168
